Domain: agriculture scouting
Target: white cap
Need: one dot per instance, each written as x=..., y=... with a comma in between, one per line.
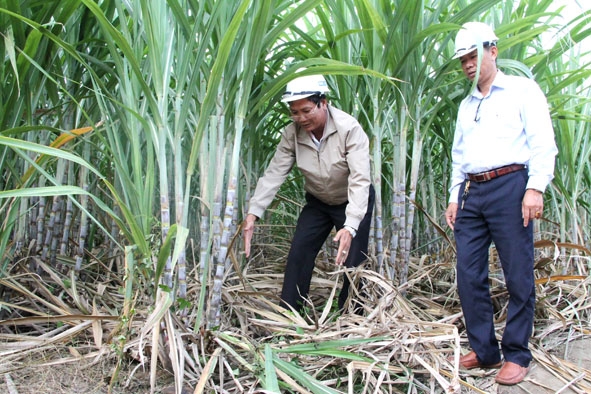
x=303, y=87
x=471, y=35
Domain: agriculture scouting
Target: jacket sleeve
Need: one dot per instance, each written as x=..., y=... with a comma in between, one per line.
x=281, y=164
x=357, y=147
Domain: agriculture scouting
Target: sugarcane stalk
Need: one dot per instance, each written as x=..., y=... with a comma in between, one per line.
x=83, y=221
x=40, y=219
x=398, y=202
x=218, y=251
x=180, y=213
x=49, y=230
x=33, y=212
x=378, y=238
x=68, y=216
x=57, y=228
x=205, y=236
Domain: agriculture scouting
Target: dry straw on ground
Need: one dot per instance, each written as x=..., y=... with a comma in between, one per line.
x=403, y=342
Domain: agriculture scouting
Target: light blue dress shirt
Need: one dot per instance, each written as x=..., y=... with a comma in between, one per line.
x=510, y=125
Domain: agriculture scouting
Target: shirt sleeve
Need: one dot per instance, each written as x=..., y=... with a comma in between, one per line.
x=359, y=180
x=457, y=176
x=278, y=169
x=540, y=137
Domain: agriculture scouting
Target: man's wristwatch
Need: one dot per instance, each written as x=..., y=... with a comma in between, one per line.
x=351, y=230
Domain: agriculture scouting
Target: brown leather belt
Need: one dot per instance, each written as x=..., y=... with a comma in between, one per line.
x=497, y=172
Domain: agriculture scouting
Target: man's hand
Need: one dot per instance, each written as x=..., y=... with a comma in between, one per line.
x=247, y=231
x=532, y=206
x=450, y=214
x=344, y=239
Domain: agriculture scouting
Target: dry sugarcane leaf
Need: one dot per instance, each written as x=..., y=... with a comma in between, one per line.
x=97, y=328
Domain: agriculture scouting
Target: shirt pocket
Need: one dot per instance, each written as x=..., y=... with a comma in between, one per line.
x=506, y=123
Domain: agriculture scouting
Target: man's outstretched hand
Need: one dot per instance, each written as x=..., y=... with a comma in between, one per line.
x=247, y=231
x=344, y=239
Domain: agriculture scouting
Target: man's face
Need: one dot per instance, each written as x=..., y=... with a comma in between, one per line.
x=307, y=115
x=487, y=67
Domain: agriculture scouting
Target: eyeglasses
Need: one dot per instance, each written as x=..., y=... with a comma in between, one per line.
x=305, y=113
x=477, y=114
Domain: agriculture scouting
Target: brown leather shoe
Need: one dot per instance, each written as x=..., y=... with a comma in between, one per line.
x=470, y=361
x=511, y=373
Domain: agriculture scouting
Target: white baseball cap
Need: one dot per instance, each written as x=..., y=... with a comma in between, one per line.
x=303, y=87
x=471, y=35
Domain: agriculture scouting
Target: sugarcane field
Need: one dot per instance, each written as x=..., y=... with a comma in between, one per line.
x=278, y=196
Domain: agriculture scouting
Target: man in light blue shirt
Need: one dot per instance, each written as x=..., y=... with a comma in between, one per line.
x=503, y=160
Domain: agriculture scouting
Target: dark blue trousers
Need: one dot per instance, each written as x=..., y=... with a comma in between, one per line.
x=492, y=213
x=315, y=222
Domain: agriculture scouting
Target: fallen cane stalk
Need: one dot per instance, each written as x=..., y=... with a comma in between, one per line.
x=575, y=380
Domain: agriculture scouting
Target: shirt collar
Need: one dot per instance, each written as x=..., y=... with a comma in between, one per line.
x=500, y=82
x=306, y=138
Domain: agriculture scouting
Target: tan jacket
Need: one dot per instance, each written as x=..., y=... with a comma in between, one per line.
x=336, y=173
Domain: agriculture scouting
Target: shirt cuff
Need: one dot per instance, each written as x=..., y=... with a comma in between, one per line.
x=256, y=211
x=351, y=230
x=453, y=194
x=537, y=184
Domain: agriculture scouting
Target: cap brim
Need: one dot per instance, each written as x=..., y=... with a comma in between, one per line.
x=466, y=51
x=463, y=52
x=293, y=97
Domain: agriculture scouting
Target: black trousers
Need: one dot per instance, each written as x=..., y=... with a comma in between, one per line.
x=492, y=213
x=315, y=222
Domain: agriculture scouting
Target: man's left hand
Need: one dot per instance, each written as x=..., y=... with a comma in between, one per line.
x=532, y=206
x=344, y=239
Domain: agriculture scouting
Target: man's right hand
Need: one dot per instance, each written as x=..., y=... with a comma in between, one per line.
x=450, y=214
x=247, y=231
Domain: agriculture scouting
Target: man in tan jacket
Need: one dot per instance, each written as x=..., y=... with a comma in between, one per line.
x=331, y=150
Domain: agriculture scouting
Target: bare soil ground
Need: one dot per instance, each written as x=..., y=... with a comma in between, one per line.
x=541, y=379
x=82, y=378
